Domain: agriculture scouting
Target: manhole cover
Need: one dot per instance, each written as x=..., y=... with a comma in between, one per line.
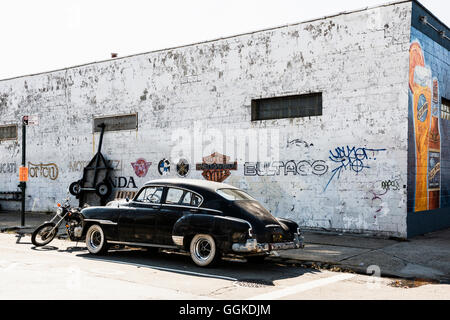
x=253, y=283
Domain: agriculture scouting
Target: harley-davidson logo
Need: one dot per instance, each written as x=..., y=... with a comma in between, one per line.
x=216, y=167
x=141, y=167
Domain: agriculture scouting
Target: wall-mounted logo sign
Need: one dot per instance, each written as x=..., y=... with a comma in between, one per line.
x=183, y=168
x=141, y=167
x=49, y=170
x=164, y=167
x=216, y=167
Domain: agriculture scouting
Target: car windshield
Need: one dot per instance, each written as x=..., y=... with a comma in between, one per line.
x=234, y=194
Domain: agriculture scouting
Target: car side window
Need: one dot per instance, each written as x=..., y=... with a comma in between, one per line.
x=175, y=196
x=195, y=200
x=150, y=195
x=182, y=197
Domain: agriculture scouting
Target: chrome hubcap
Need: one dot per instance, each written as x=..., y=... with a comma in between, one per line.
x=203, y=249
x=95, y=239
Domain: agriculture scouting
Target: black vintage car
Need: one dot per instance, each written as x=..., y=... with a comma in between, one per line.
x=207, y=219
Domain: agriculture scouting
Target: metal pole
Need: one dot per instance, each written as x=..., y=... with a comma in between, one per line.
x=23, y=184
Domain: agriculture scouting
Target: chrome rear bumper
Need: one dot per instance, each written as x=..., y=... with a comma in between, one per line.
x=252, y=246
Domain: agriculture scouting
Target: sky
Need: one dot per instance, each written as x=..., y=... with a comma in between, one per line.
x=44, y=35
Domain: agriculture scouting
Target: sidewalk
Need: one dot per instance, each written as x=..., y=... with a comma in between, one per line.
x=423, y=257
x=10, y=221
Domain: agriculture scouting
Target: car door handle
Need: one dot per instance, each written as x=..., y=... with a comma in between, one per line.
x=193, y=210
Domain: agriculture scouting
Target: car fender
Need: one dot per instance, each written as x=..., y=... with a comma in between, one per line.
x=292, y=225
x=223, y=229
x=106, y=217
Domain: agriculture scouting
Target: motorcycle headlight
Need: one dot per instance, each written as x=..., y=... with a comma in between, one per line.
x=59, y=211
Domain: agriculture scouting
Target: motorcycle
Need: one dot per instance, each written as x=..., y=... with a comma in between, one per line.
x=46, y=232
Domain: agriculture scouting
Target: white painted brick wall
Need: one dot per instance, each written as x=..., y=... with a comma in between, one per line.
x=358, y=60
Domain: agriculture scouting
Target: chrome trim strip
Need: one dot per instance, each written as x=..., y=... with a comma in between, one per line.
x=273, y=226
x=191, y=208
x=102, y=221
x=144, y=244
x=237, y=219
x=212, y=210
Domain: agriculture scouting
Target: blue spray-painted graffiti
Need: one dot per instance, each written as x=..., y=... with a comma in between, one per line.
x=353, y=159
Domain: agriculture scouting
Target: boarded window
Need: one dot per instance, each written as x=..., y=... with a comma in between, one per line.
x=115, y=123
x=8, y=132
x=305, y=105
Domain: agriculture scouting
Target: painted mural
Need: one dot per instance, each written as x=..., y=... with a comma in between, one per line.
x=429, y=158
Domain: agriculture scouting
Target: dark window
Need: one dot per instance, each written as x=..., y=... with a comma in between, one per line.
x=115, y=123
x=305, y=105
x=445, y=109
x=8, y=132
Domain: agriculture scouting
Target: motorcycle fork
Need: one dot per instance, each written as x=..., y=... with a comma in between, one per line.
x=57, y=224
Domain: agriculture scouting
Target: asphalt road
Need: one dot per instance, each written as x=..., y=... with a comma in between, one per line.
x=65, y=270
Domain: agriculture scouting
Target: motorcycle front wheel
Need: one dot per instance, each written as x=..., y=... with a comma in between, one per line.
x=44, y=234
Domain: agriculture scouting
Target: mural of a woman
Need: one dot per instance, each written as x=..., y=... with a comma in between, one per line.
x=420, y=86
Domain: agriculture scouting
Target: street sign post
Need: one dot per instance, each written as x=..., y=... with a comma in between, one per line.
x=23, y=184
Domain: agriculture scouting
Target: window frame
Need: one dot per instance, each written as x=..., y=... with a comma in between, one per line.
x=143, y=189
x=182, y=205
x=445, y=102
x=16, y=131
x=96, y=129
x=256, y=105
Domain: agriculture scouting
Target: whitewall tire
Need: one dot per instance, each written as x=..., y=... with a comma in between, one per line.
x=203, y=250
x=95, y=240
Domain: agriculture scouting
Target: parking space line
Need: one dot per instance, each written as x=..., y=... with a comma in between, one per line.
x=301, y=287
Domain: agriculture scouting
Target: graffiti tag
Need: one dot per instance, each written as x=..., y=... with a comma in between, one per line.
x=353, y=159
x=299, y=143
x=390, y=185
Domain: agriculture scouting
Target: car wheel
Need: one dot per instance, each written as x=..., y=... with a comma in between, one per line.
x=95, y=240
x=203, y=250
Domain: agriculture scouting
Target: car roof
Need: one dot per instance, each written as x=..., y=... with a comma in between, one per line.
x=187, y=183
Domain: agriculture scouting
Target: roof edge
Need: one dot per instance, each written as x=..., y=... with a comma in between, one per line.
x=430, y=13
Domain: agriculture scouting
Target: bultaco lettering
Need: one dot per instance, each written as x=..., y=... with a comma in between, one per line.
x=49, y=170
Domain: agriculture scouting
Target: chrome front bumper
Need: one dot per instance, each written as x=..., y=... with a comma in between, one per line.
x=252, y=246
